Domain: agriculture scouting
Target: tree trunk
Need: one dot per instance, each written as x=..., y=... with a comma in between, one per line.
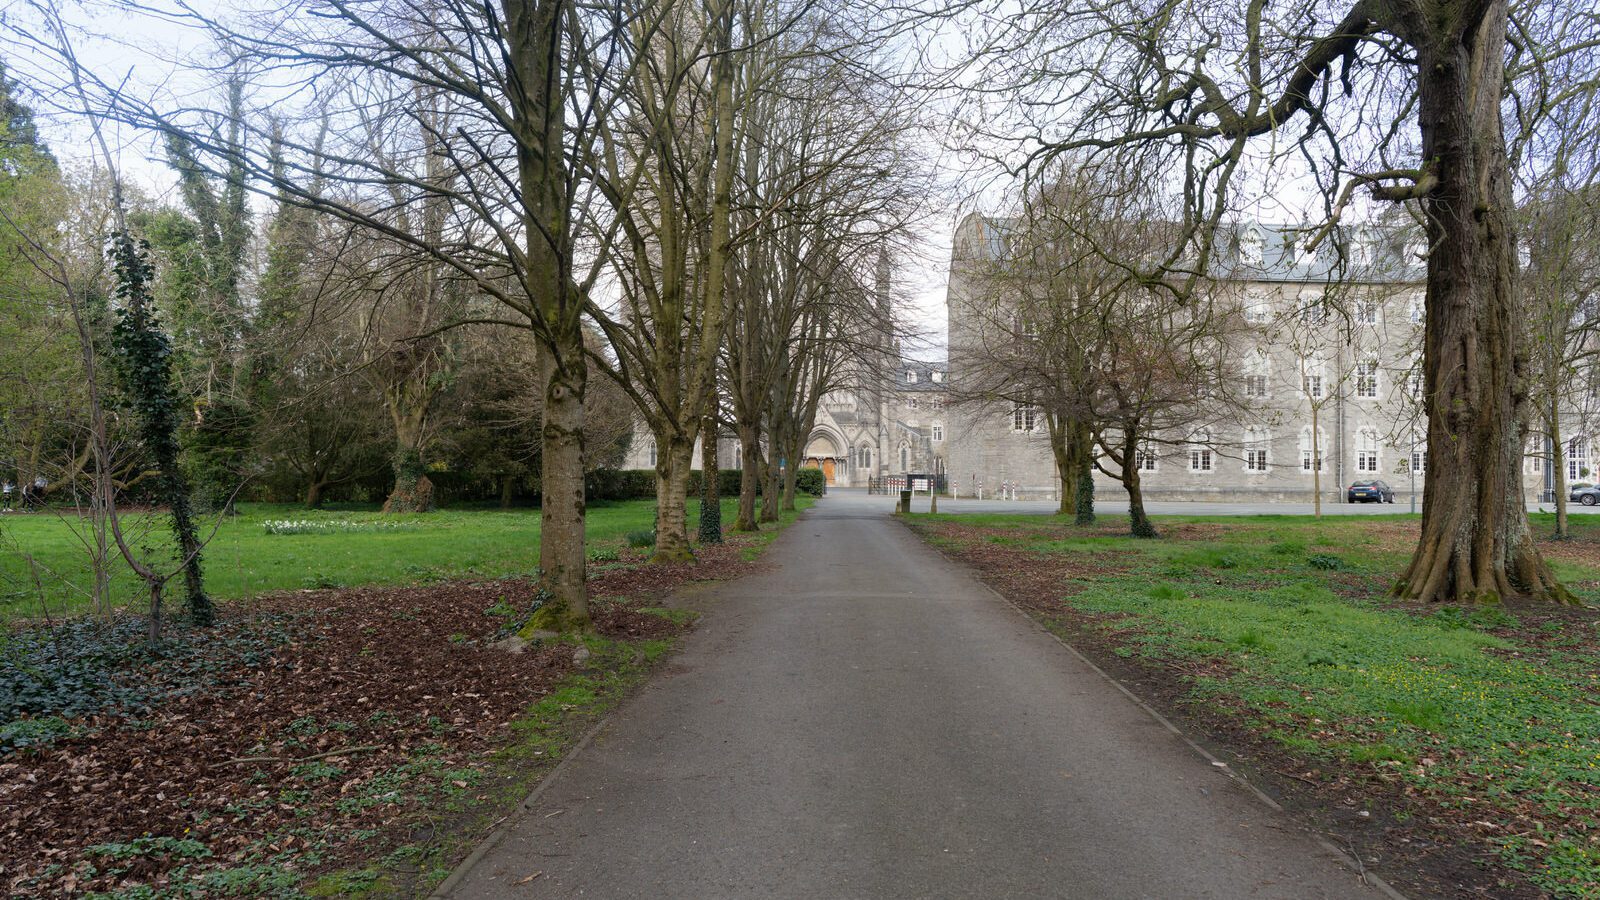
x=1316, y=462
x=773, y=485
x=791, y=474
x=561, y=558
x=1558, y=465
x=314, y=495
x=1139, y=524
x=1066, y=470
x=749, y=476
x=413, y=490
x=1475, y=545
x=672, y=499
x=1085, y=499
x=710, y=475
x=507, y=490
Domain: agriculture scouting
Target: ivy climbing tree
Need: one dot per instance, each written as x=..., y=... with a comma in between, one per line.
x=143, y=358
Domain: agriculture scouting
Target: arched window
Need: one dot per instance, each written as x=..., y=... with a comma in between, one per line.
x=1200, y=452
x=1252, y=247
x=1311, y=457
x=1256, y=369
x=652, y=454
x=865, y=456
x=1257, y=440
x=1367, y=451
x=905, y=458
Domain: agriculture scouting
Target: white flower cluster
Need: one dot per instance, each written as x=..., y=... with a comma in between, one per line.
x=328, y=526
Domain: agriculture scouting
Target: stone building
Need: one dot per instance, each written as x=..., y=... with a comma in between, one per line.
x=1345, y=371
x=886, y=420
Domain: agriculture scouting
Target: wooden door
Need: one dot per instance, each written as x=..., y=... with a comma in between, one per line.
x=827, y=471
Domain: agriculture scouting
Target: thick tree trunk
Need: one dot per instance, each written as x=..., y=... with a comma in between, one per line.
x=561, y=555
x=1475, y=545
x=749, y=476
x=672, y=498
x=772, y=488
x=1085, y=499
x=314, y=495
x=507, y=489
x=1139, y=524
x=413, y=490
x=1066, y=471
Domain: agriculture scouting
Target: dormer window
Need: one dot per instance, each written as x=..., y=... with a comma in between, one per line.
x=1252, y=247
x=1361, y=251
x=936, y=376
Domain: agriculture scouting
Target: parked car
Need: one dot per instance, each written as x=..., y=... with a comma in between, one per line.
x=1587, y=494
x=1371, y=492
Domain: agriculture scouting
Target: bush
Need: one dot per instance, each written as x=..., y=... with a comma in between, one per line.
x=641, y=538
x=810, y=481
x=640, y=484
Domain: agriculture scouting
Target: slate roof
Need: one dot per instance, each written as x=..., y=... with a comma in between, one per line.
x=924, y=371
x=1255, y=251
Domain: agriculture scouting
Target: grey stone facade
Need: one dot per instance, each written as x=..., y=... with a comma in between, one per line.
x=888, y=420
x=1352, y=365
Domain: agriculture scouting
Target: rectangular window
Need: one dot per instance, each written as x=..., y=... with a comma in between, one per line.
x=1314, y=313
x=1366, y=379
x=1255, y=385
x=1419, y=461
x=1312, y=384
x=1367, y=461
x=1308, y=464
x=938, y=431
x=911, y=403
x=1023, y=418
x=1144, y=459
x=1255, y=460
x=1367, y=312
x=1200, y=459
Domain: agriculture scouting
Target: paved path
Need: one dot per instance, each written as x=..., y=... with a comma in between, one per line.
x=1117, y=504
x=865, y=720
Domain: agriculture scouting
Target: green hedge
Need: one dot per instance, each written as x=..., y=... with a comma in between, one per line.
x=640, y=484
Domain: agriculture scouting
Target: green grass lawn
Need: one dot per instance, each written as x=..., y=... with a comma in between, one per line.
x=244, y=559
x=1491, y=713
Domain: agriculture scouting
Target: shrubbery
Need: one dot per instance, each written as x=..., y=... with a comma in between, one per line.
x=640, y=484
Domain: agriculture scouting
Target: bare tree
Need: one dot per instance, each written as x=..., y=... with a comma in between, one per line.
x=524, y=84
x=1405, y=97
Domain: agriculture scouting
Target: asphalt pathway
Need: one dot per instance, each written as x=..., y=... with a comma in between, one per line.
x=866, y=720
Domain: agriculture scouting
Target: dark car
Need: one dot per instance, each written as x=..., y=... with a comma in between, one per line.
x=1587, y=494
x=1371, y=492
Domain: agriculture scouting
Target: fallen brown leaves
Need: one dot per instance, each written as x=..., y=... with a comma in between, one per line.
x=300, y=754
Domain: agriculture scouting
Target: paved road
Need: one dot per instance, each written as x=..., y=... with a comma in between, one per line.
x=865, y=720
